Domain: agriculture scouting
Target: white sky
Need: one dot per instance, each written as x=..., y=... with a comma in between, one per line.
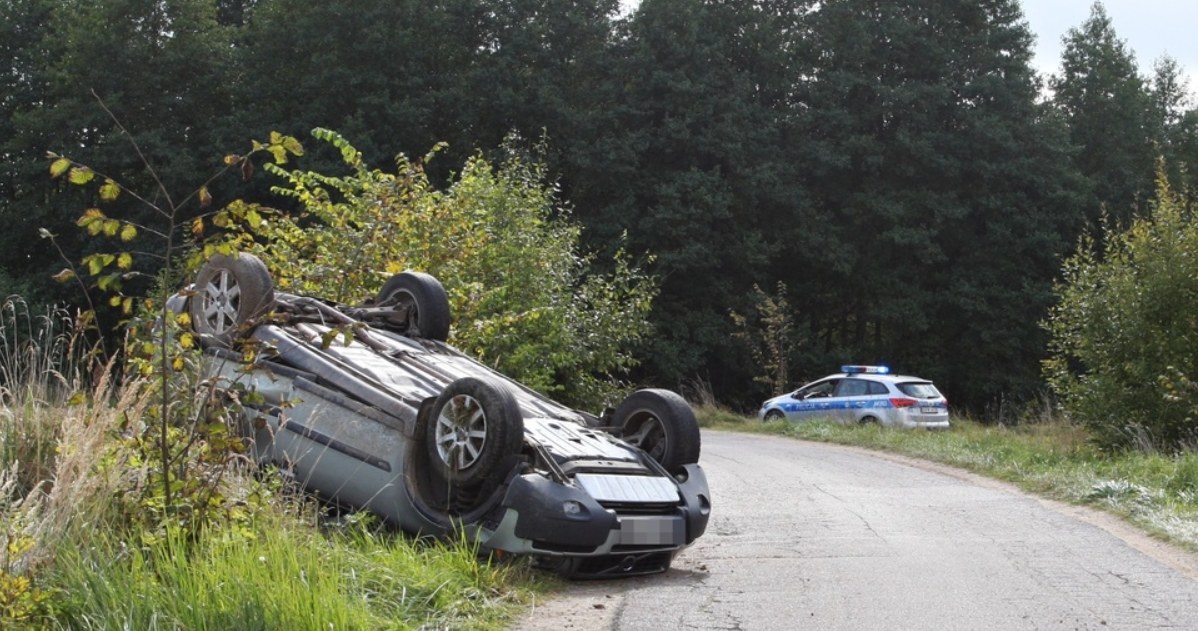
x=1150, y=28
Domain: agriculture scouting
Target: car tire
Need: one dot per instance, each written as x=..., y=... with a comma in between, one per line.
x=422, y=303
x=662, y=424
x=474, y=427
x=774, y=415
x=868, y=420
x=230, y=291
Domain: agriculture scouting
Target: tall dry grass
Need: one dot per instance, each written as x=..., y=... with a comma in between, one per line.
x=60, y=414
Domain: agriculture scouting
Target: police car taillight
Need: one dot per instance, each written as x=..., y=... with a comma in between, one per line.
x=901, y=402
x=869, y=370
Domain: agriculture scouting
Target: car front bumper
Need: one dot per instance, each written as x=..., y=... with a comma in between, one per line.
x=621, y=532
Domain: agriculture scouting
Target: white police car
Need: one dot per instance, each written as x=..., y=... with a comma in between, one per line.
x=863, y=394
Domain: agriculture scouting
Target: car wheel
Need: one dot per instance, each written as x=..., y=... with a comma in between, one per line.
x=420, y=302
x=230, y=291
x=868, y=420
x=662, y=424
x=475, y=426
x=774, y=415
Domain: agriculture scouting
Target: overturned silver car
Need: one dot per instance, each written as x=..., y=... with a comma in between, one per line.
x=368, y=407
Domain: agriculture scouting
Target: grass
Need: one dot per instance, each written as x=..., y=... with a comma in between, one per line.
x=1051, y=458
x=290, y=575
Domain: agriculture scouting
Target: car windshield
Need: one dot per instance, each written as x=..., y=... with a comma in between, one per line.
x=919, y=389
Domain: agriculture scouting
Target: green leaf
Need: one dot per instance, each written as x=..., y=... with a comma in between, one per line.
x=110, y=190
x=293, y=145
x=81, y=175
x=88, y=217
x=59, y=166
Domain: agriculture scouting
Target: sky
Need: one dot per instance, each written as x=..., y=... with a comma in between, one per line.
x=1150, y=28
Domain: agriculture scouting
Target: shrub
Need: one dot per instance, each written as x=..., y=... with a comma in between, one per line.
x=524, y=299
x=1124, y=336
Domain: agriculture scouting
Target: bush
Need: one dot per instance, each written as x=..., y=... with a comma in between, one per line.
x=1124, y=337
x=523, y=298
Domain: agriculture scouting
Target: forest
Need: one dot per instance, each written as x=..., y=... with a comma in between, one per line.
x=895, y=173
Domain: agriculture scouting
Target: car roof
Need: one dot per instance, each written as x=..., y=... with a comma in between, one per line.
x=875, y=377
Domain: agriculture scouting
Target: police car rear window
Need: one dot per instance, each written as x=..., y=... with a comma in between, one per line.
x=919, y=389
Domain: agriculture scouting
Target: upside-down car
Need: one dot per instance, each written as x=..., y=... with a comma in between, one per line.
x=369, y=407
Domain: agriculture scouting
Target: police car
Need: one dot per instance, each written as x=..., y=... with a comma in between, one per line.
x=863, y=395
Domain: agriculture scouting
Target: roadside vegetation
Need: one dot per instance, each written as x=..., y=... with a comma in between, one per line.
x=86, y=542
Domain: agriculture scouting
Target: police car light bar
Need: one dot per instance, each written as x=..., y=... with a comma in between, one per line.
x=871, y=370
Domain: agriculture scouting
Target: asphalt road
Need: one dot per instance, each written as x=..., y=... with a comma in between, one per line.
x=811, y=536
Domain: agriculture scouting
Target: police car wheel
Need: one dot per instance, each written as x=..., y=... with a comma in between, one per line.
x=868, y=420
x=773, y=415
x=662, y=424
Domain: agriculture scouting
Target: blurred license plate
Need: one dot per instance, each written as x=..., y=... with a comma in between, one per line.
x=929, y=410
x=651, y=531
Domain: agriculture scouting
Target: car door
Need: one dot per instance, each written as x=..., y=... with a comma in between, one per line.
x=813, y=400
x=851, y=399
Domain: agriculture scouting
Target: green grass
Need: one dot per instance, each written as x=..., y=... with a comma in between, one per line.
x=289, y=575
x=1156, y=492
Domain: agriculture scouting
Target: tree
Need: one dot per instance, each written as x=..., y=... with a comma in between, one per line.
x=942, y=191
x=1173, y=135
x=1124, y=336
x=684, y=154
x=161, y=67
x=1109, y=111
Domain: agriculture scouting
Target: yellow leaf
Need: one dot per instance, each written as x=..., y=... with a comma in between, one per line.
x=128, y=232
x=59, y=166
x=127, y=305
x=114, y=301
x=231, y=159
x=183, y=319
x=78, y=398
x=109, y=191
x=124, y=260
x=111, y=226
x=81, y=175
x=197, y=227
x=89, y=216
x=66, y=275
x=177, y=363
x=253, y=218
x=205, y=197
x=293, y=145
x=186, y=340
